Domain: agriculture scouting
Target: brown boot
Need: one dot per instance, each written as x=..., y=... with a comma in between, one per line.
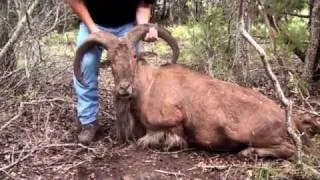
x=87, y=133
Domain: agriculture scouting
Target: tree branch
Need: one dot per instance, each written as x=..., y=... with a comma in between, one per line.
x=285, y=102
x=18, y=30
x=21, y=108
x=297, y=15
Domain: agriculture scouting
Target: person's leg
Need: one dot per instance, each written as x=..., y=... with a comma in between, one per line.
x=87, y=97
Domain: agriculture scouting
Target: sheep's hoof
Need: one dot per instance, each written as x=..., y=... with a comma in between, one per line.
x=248, y=153
x=151, y=140
x=174, y=142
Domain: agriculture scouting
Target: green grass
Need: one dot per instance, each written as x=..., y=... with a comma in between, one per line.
x=265, y=173
x=57, y=44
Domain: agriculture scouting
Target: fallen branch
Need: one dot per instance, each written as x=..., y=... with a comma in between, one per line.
x=17, y=161
x=285, y=102
x=296, y=15
x=307, y=111
x=21, y=109
x=170, y=173
x=173, y=152
x=69, y=145
x=73, y=166
x=219, y=167
x=311, y=170
x=37, y=148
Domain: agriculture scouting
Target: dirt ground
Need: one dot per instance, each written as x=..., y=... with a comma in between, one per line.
x=41, y=144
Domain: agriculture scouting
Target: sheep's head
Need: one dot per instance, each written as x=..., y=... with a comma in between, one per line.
x=123, y=65
x=122, y=55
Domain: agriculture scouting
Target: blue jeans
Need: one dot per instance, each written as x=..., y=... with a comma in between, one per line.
x=87, y=97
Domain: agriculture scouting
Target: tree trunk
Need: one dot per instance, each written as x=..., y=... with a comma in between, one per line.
x=197, y=9
x=164, y=10
x=312, y=62
x=241, y=64
x=8, y=62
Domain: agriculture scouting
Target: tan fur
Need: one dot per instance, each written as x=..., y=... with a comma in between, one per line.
x=214, y=114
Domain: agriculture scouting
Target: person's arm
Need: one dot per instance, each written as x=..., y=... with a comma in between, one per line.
x=82, y=12
x=143, y=17
x=143, y=13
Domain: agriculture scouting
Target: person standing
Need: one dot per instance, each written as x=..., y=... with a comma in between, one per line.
x=117, y=17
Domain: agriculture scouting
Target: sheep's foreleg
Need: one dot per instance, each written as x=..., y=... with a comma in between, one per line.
x=152, y=139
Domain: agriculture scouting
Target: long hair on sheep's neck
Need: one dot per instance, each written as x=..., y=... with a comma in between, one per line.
x=127, y=127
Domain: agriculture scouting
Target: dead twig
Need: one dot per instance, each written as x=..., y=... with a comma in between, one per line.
x=73, y=166
x=69, y=145
x=21, y=109
x=39, y=148
x=173, y=152
x=170, y=173
x=221, y=167
x=227, y=174
x=215, y=167
x=307, y=111
x=18, y=30
x=18, y=160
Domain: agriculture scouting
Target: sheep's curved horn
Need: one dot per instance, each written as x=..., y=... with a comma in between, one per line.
x=139, y=32
x=104, y=39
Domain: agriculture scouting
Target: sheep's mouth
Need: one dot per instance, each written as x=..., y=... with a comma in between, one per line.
x=124, y=92
x=124, y=95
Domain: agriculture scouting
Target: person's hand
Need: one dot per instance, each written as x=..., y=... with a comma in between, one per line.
x=94, y=29
x=152, y=35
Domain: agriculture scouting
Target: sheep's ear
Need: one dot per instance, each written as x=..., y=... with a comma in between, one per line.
x=104, y=39
x=139, y=32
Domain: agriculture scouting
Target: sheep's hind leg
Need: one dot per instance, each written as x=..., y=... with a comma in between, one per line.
x=174, y=139
x=152, y=139
x=284, y=150
x=163, y=139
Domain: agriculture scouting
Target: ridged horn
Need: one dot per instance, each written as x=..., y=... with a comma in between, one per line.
x=138, y=33
x=104, y=39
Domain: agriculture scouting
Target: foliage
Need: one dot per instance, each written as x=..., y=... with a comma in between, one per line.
x=57, y=43
x=296, y=31
x=264, y=173
x=287, y=6
x=210, y=34
x=300, y=85
x=208, y=40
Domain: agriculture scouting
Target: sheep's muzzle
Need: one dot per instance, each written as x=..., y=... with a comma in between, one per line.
x=124, y=89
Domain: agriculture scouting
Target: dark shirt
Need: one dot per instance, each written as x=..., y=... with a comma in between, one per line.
x=113, y=13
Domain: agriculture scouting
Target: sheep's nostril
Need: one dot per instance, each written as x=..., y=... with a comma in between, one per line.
x=124, y=89
x=129, y=90
x=124, y=85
